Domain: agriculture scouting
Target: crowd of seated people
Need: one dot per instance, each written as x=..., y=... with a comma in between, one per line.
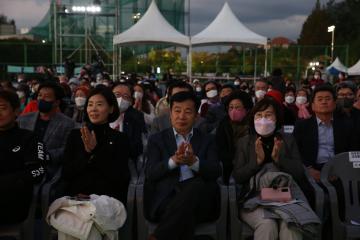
x=88, y=129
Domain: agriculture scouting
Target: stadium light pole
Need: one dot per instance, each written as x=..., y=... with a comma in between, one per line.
x=332, y=30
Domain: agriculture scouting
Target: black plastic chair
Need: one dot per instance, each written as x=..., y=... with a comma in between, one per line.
x=346, y=167
x=215, y=229
x=25, y=229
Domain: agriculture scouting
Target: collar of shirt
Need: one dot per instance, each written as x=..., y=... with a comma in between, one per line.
x=319, y=122
x=186, y=138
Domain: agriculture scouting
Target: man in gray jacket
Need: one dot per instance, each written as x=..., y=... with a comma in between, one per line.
x=48, y=123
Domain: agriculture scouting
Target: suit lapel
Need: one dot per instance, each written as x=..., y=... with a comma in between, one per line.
x=196, y=141
x=54, y=124
x=314, y=140
x=337, y=134
x=170, y=142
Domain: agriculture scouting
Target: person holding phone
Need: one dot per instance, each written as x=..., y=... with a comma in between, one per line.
x=96, y=156
x=265, y=144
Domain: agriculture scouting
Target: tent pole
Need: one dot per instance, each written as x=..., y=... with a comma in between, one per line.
x=190, y=46
x=190, y=62
x=120, y=62
x=266, y=57
x=255, y=66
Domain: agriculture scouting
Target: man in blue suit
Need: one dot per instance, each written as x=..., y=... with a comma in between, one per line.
x=181, y=173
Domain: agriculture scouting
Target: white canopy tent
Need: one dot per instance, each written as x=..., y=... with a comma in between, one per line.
x=336, y=67
x=154, y=28
x=226, y=28
x=151, y=28
x=354, y=70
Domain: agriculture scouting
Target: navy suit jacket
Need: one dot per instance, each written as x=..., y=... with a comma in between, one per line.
x=306, y=135
x=160, y=180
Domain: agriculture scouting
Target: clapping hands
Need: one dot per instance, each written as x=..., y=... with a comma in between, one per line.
x=88, y=138
x=184, y=155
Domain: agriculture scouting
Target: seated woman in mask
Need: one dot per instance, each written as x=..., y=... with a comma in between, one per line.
x=77, y=111
x=96, y=156
x=302, y=104
x=212, y=108
x=143, y=104
x=232, y=127
x=265, y=145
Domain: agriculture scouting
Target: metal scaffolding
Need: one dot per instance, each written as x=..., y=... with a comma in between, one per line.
x=83, y=29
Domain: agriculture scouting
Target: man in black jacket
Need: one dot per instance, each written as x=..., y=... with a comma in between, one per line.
x=181, y=173
x=324, y=135
x=21, y=162
x=131, y=121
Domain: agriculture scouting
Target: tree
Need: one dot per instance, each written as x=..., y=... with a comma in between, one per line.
x=314, y=30
x=4, y=20
x=345, y=16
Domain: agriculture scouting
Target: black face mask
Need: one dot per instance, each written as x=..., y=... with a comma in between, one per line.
x=345, y=102
x=45, y=106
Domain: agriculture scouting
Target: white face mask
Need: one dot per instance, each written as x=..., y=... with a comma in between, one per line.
x=301, y=100
x=289, y=99
x=317, y=76
x=123, y=104
x=20, y=94
x=264, y=127
x=138, y=95
x=80, y=102
x=260, y=93
x=198, y=89
x=212, y=93
x=236, y=83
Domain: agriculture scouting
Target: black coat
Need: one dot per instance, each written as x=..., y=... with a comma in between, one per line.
x=134, y=127
x=226, y=146
x=104, y=171
x=22, y=158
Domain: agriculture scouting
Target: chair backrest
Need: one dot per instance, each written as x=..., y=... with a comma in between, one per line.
x=346, y=166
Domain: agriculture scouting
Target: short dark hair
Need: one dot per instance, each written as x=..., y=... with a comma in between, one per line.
x=180, y=84
x=10, y=97
x=184, y=96
x=228, y=85
x=290, y=89
x=263, y=80
x=323, y=88
x=345, y=84
x=244, y=97
x=124, y=84
x=218, y=86
x=263, y=104
x=110, y=99
x=58, y=90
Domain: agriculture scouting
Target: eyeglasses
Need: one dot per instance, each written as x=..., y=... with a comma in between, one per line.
x=348, y=95
x=124, y=96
